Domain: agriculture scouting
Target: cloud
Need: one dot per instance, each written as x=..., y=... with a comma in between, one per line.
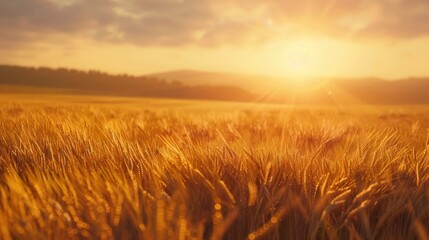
x=400, y=19
x=207, y=22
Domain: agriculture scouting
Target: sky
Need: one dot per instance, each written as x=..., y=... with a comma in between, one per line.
x=306, y=38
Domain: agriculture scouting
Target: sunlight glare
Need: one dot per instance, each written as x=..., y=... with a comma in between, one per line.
x=300, y=59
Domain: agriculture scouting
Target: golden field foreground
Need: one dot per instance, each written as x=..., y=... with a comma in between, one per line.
x=100, y=168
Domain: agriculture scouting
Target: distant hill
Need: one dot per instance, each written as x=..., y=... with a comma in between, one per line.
x=252, y=83
x=95, y=82
x=402, y=91
x=217, y=86
x=315, y=91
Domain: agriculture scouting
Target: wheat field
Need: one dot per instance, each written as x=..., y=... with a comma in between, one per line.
x=98, y=168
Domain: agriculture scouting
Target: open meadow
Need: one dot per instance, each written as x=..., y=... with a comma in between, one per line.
x=82, y=167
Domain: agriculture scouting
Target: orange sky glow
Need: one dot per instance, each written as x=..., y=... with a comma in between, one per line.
x=308, y=38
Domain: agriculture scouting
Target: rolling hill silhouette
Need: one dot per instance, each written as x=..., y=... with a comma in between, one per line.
x=95, y=82
x=313, y=91
x=252, y=83
x=216, y=86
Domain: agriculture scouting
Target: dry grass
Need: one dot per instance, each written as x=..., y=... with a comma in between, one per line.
x=126, y=171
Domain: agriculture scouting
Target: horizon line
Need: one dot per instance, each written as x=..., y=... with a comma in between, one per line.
x=202, y=72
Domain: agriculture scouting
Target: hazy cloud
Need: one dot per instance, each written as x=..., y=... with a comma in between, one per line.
x=399, y=19
x=209, y=22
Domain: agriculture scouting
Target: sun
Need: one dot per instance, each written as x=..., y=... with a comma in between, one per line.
x=301, y=59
